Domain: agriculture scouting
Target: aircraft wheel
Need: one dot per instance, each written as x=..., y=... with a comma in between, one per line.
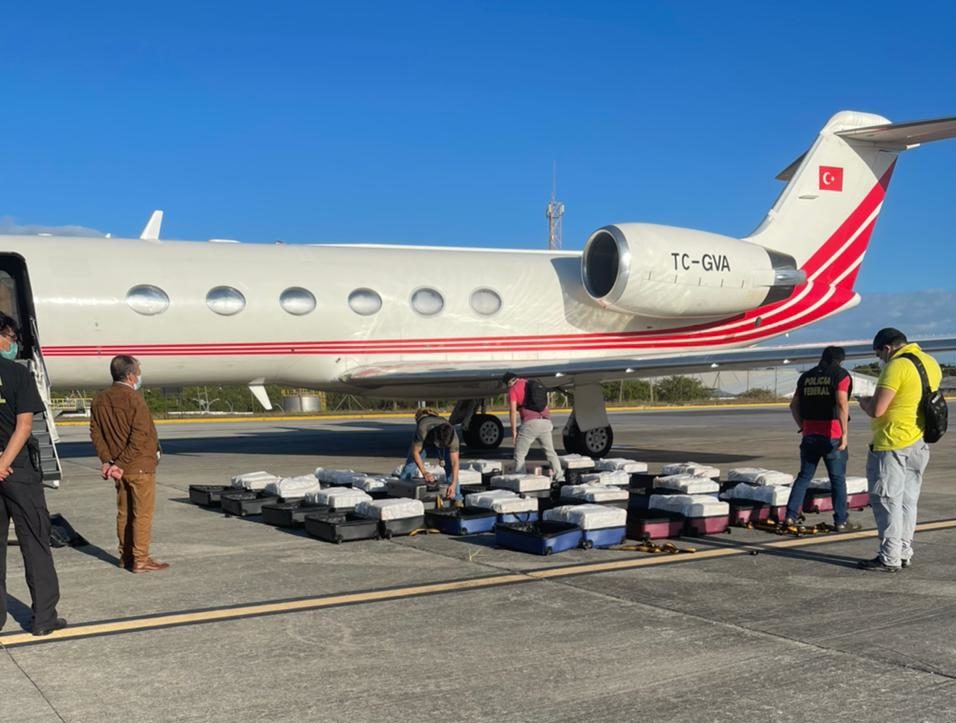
x=486, y=432
x=593, y=443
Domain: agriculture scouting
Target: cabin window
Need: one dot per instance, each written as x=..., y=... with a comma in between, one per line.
x=365, y=302
x=147, y=299
x=427, y=302
x=225, y=300
x=485, y=302
x=297, y=301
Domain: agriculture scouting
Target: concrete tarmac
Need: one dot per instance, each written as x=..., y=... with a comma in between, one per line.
x=254, y=623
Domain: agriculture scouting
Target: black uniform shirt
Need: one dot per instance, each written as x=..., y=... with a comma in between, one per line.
x=18, y=394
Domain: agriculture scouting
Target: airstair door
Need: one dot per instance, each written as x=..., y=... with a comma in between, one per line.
x=16, y=300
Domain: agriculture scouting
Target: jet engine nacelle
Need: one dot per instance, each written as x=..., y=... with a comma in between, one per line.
x=667, y=272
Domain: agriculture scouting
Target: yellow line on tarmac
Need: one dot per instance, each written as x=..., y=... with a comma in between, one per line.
x=410, y=415
x=129, y=625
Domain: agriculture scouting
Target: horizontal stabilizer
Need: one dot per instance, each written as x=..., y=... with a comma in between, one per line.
x=904, y=134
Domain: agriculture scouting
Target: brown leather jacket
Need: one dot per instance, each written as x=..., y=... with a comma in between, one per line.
x=123, y=431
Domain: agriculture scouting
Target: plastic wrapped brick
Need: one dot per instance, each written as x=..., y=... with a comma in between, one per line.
x=482, y=466
x=253, y=481
x=521, y=482
x=620, y=463
x=690, y=505
x=294, y=488
x=775, y=496
x=501, y=501
x=594, y=493
x=337, y=497
x=694, y=468
x=468, y=477
x=329, y=476
x=759, y=476
x=437, y=472
x=588, y=517
x=688, y=484
x=370, y=483
x=390, y=509
x=854, y=485
x=614, y=478
x=576, y=461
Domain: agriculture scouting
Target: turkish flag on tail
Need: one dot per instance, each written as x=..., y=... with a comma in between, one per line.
x=831, y=178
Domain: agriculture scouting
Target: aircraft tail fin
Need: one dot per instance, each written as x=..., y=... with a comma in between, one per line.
x=826, y=213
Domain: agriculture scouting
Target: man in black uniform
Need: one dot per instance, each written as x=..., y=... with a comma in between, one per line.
x=820, y=407
x=21, y=489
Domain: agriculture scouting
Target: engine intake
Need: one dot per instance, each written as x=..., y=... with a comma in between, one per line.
x=668, y=272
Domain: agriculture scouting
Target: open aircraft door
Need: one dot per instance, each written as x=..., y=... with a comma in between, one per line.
x=16, y=300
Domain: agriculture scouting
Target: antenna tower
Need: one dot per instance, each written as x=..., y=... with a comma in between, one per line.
x=555, y=212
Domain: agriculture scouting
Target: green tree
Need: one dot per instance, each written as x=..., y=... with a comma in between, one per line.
x=632, y=390
x=681, y=389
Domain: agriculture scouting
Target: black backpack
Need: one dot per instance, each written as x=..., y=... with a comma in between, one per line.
x=932, y=404
x=535, y=396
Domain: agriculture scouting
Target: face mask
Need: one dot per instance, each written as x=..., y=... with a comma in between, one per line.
x=139, y=382
x=12, y=352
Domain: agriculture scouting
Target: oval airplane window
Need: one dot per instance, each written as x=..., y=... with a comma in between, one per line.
x=485, y=301
x=365, y=302
x=147, y=299
x=427, y=302
x=225, y=300
x=297, y=301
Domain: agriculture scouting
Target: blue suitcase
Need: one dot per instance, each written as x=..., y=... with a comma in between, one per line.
x=603, y=537
x=538, y=538
x=462, y=521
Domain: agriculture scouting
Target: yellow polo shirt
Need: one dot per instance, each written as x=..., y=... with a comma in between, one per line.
x=899, y=426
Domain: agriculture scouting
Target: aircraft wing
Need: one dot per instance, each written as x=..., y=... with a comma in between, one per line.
x=552, y=372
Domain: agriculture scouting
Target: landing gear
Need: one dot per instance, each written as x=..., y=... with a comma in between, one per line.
x=595, y=442
x=485, y=432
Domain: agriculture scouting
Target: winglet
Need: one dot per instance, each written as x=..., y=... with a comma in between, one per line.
x=151, y=230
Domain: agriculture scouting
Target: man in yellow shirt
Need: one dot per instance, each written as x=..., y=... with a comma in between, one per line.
x=898, y=455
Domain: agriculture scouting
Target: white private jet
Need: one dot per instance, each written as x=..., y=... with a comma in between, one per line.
x=421, y=322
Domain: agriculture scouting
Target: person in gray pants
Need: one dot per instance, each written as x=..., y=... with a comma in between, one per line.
x=898, y=454
x=536, y=425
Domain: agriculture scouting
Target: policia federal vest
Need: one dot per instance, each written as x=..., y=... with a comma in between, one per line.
x=817, y=389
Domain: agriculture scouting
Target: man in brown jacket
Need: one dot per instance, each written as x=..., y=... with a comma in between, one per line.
x=126, y=442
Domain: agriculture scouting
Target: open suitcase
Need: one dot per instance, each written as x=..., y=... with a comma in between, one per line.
x=462, y=520
x=290, y=514
x=208, y=495
x=601, y=526
x=341, y=527
x=243, y=503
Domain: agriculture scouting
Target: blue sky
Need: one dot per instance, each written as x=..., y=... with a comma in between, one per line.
x=437, y=123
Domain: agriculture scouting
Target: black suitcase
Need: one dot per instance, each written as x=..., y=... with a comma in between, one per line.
x=394, y=528
x=208, y=495
x=244, y=503
x=341, y=527
x=415, y=489
x=289, y=514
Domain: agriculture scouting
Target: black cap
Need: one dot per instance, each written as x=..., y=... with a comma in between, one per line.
x=888, y=337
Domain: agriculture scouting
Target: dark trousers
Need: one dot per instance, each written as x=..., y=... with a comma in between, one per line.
x=814, y=448
x=25, y=504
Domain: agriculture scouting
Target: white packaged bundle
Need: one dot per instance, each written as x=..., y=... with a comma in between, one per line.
x=390, y=509
x=521, y=482
x=337, y=497
x=588, y=517
x=854, y=485
x=775, y=496
x=437, y=472
x=690, y=505
x=759, y=476
x=294, y=488
x=695, y=468
x=370, y=483
x=468, y=477
x=329, y=476
x=502, y=502
x=614, y=478
x=594, y=493
x=620, y=463
x=688, y=484
x=253, y=481
x=576, y=461
x=482, y=466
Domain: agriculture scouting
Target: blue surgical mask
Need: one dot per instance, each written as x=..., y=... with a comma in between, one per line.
x=12, y=352
x=139, y=382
